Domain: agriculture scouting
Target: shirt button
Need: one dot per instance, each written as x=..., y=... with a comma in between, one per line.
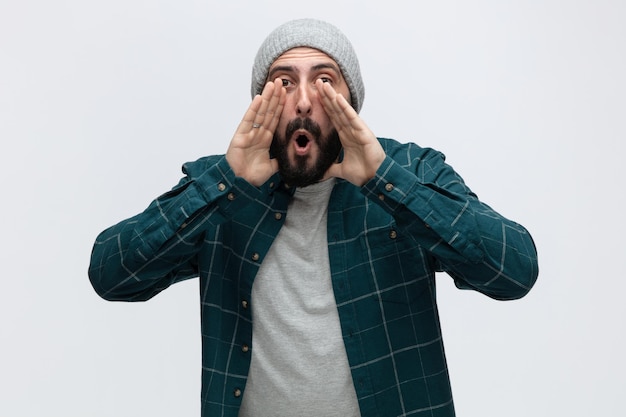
x=427, y=225
x=381, y=197
x=271, y=185
x=221, y=186
x=389, y=187
x=255, y=256
x=245, y=348
x=393, y=234
x=231, y=196
x=278, y=216
x=244, y=304
x=237, y=393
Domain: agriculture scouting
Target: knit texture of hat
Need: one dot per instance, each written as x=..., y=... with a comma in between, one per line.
x=316, y=34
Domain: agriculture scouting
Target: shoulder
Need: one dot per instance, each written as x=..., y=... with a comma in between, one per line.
x=194, y=169
x=409, y=153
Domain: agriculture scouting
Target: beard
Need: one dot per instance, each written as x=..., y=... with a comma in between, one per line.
x=300, y=172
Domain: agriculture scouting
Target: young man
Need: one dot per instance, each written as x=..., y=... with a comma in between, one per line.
x=316, y=244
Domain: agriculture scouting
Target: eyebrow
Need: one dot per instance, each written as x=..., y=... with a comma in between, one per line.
x=290, y=68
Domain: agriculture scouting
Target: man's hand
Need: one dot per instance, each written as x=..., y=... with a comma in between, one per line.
x=362, y=153
x=249, y=150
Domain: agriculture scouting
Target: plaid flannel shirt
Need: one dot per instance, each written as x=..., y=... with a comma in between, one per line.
x=386, y=240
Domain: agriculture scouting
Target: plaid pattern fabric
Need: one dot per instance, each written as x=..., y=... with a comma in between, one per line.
x=386, y=240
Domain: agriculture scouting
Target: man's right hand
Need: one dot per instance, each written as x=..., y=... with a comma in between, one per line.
x=249, y=150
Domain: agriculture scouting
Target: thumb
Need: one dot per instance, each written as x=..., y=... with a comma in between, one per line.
x=335, y=170
x=274, y=165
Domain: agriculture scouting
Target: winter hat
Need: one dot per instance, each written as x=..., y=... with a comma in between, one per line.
x=316, y=34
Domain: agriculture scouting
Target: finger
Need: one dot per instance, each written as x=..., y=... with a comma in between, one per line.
x=335, y=170
x=274, y=165
x=271, y=107
x=327, y=96
x=336, y=106
x=248, y=118
x=267, y=98
x=259, y=103
x=276, y=105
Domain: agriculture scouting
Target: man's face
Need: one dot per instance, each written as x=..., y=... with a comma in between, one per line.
x=305, y=143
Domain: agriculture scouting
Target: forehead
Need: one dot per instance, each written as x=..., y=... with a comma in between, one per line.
x=303, y=57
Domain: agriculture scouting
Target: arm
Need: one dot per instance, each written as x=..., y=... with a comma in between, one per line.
x=474, y=244
x=139, y=257
x=478, y=247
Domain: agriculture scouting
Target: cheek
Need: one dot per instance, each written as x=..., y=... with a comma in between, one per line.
x=288, y=114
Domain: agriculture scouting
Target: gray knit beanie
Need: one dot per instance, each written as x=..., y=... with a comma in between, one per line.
x=314, y=34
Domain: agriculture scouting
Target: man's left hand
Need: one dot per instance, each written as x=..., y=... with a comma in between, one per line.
x=362, y=153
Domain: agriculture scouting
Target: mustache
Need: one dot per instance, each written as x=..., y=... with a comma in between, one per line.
x=307, y=124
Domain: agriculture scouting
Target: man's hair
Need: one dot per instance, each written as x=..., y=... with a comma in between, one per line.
x=315, y=34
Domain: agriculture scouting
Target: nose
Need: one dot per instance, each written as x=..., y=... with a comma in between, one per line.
x=304, y=105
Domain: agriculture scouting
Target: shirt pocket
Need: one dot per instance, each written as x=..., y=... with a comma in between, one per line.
x=399, y=269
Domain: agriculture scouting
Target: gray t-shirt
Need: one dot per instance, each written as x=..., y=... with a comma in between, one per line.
x=299, y=364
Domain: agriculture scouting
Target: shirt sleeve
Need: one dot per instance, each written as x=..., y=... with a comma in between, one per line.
x=478, y=247
x=139, y=257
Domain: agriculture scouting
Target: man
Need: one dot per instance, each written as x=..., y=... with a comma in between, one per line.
x=316, y=244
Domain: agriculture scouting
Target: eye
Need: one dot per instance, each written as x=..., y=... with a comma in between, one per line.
x=326, y=79
x=286, y=83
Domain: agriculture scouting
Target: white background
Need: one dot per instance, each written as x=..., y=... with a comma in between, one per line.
x=102, y=101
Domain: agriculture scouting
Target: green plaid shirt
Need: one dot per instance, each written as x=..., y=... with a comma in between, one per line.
x=386, y=240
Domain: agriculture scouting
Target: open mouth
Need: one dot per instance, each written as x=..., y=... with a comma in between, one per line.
x=302, y=140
